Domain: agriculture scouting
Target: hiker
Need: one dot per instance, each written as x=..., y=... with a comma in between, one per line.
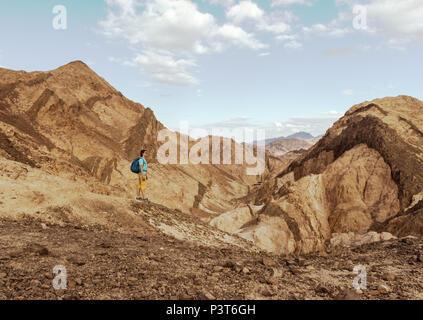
x=139, y=166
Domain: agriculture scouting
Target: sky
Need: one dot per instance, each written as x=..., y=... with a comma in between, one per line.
x=279, y=65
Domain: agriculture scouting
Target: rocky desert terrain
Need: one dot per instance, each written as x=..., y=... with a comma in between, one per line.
x=282, y=146
x=209, y=231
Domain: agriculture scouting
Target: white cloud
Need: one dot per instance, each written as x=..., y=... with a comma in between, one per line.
x=396, y=18
x=177, y=31
x=249, y=12
x=400, y=22
x=330, y=29
x=159, y=24
x=264, y=54
x=238, y=36
x=336, y=28
x=245, y=10
x=165, y=68
x=279, y=27
x=174, y=31
x=276, y=3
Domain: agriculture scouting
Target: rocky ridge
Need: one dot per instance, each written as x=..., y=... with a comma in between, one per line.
x=363, y=175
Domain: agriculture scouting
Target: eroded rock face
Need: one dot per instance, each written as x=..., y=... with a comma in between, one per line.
x=352, y=194
x=391, y=126
x=409, y=222
x=352, y=239
x=233, y=220
x=365, y=174
x=72, y=123
x=297, y=222
x=359, y=190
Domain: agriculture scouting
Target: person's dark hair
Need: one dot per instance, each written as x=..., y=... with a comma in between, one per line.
x=142, y=152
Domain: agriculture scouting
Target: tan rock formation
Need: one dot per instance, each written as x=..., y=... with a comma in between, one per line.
x=282, y=146
x=365, y=174
x=72, y=123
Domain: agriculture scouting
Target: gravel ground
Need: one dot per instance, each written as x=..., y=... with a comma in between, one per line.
x=102, y=264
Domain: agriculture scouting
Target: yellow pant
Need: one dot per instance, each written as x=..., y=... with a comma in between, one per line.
x=142, y=183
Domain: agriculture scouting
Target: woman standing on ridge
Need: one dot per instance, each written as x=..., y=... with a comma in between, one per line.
x=142, y=175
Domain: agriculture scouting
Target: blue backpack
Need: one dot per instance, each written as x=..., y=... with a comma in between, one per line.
x=135, y=166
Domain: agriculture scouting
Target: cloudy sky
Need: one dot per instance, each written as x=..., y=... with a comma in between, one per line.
x=282, y=65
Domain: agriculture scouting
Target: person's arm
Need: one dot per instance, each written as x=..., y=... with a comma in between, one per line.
x=141, y=169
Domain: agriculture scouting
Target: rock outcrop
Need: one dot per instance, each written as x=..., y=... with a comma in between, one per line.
x=71, y=123
x=66, y=141
x=364, y=175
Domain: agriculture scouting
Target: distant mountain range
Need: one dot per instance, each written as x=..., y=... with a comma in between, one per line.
x=282, y=146
x=298, y=135
x=301, y=135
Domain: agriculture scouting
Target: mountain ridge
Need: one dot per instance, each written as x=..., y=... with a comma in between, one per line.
x=297, y=135
x=209, y=231
x=72, y=117
x=363, y=175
